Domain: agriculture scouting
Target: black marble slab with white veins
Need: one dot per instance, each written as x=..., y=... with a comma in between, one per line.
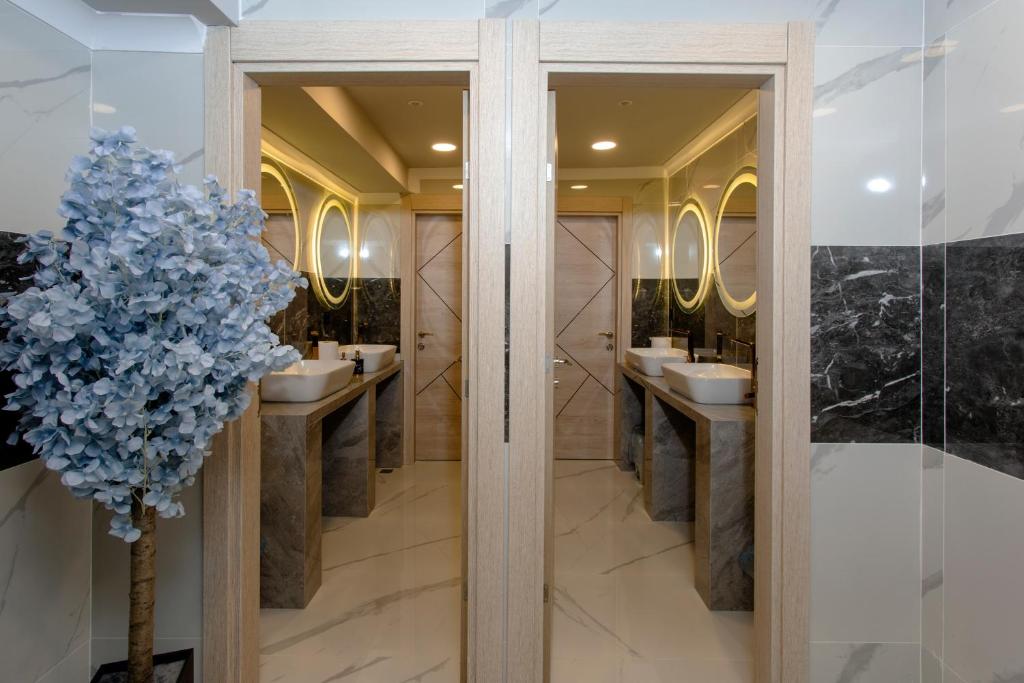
x=933, y=344
x=865, y=344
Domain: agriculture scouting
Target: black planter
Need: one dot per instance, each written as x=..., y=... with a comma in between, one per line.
x=117, y=672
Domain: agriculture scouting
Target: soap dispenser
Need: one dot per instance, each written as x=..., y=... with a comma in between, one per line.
x=358, y=358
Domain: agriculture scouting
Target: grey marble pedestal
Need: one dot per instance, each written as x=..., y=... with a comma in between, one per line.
x=319, y=458
x=670, y=440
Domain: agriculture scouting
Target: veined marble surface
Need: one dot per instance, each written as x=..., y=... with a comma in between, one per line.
x=625, y=606
x=933, y=345
x=865, y=344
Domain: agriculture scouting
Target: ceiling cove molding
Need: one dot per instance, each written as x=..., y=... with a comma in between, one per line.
x=418, y=175
x=283, y=152
x=121, y=32
x=207, y=12
x=343, y=110
x=734, y=117
x=612, y=173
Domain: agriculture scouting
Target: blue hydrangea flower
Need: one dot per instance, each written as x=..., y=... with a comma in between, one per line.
x=142, y=328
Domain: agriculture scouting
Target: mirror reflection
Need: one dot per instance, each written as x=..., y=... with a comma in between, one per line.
x=690, y=258
x=334, y=247
x=281, y=235
x=736, y=245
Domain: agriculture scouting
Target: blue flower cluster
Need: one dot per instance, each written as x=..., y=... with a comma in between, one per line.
x=143, y=327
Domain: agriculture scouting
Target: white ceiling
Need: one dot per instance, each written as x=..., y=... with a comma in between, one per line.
x=657, y=123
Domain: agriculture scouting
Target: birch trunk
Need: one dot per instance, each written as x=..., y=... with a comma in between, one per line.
x=142, y=595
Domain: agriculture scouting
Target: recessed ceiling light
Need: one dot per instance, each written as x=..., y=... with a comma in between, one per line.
x=625, y=103
x=604, y=145
x=578, y=187
x=879, y=185
x=457, y=186
x=823, y=111
x=712, y=186
x=415, y=103
x=101, y=108
x=443, y=147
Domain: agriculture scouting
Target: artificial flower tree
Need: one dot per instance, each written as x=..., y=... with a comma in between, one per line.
x=136, y=342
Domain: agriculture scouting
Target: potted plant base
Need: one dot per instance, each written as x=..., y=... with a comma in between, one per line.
x=169, y=667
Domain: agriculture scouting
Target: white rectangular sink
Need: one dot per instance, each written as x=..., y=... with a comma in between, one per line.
x=307, y=380
x=709, y=382
x=375, y=356
x=649, y=361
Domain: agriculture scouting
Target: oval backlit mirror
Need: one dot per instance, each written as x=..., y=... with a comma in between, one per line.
x=691, y=260
x=281, y=236
x=333, y=245
x=736, y=244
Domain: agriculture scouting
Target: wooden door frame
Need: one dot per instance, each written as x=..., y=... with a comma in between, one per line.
x=776, y=59
x=412, y=206
x=236, y=61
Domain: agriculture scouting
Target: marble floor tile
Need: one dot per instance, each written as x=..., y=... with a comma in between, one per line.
x=625, y=606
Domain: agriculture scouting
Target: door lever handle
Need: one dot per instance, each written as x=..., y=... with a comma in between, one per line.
x=421, y=335
x=560, y=361
x=606, y=334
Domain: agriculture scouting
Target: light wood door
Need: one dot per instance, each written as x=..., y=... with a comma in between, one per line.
x=585, y=321
x=438, y=336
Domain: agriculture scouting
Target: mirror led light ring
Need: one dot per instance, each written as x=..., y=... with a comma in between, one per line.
x=741, y=309
x=275, y=173
x=323, y=293
x=693, y=205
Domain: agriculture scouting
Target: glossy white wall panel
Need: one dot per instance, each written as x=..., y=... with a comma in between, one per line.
x=933, y=141
x=161, y=95
x=867, y=130
x=865, y=543
x=984, y=563
x=865, y=663
x=985, y=124
x=931, y=549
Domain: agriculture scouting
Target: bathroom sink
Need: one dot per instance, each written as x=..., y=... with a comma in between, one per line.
x=709, y=382
x=649, y=361
x=307, y=380
x=375, y=356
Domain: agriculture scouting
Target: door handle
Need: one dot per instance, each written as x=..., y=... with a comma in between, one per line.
x=609, y=335
x=560, y=361
x=421, y=335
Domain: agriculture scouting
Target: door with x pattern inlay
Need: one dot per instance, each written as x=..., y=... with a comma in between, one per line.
x=585, y=323
x=438, y=336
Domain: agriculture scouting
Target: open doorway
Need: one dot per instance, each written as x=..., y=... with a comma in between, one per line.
x=655, y=271
x=362, y=555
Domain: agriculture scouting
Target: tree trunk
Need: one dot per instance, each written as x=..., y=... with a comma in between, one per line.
x=142, y=595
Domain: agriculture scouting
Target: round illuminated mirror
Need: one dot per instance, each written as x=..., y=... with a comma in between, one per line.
x=736, y=244
x=333, y=247
x=690, y=259
x=281, y=235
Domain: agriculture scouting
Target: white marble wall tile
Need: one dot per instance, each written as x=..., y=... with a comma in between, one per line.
x=931, y=667
x=933, y=151
x=179, y=581
x=513, y=9
x=865, y=663
x=72, y=669
x=44, y=574
x=44, y=118
x=378, y=9
x=931, y=550
x=867, y=132
x=942, y=15
x=984, y=563
x=985, y=120
x=838, y=22
x=161, y=95
x=865, y=543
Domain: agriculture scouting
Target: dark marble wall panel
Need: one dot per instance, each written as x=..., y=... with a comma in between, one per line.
x=378, y=310
x=12, y=280
x=933, y=344
x=650, y=310
x=985, y=352
x=681, y=322
x=709, y=319
x=865, y=344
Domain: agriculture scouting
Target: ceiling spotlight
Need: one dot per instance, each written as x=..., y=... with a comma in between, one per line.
x=415, y=103
x=604, y=145
x=578, y=187
x=879, y=185
x=711, y=186
x=625, y=103
x=457, y=186
x=443, y=147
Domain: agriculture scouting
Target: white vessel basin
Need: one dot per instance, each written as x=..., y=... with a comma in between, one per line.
x=649, y=361
x=307, y=380
x=375, y=356
x=709, y=382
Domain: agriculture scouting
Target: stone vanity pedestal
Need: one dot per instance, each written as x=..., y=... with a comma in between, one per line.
x=698, y=466
x=320, y=458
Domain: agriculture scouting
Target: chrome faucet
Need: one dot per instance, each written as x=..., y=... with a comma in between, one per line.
x=719, y=344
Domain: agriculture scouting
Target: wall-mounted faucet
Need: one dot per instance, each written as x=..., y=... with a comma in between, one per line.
x=719, y=344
